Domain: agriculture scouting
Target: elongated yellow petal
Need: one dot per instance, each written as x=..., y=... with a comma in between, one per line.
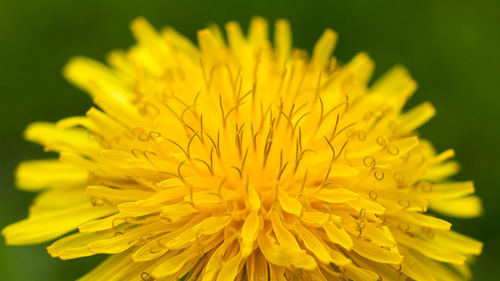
x=283, y=235
x=280, y=255
x=338, y=235
x=249, y=232
x=324, y=48
x=282, y=39
x=313, y=244
x=430, y=249
x=375, y=253
x=37, y=174
x=360, y=274
x=50, y=225
x=466, y=207
x=338, y=195
x=75, y=245
x=290, y=204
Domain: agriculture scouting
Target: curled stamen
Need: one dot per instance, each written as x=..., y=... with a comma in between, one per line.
x=404, y=203
x=428, y=232
x=96, y=202
x=369, y=161
x=359, y=228
x=393, y=150
x=403, y=226
x=154, y=135
x=136, y=153
x=350, y=133
x=143, y=137
x=131, y=242
x=362, y=214
x=425, y=186
x=155, y=250
x=113, y=222
x=361, y=135
x=145, y=276
x=382, y=217
x=378, y=174
x=398, y=177
x=147, y=154
x=373, y=195
x=381, y=141
x=149, y=109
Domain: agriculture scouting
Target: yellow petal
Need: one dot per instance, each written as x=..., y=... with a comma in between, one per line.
x=174, y=264
x=284, y=236
x=318, y=218
x=313, y=244
x=324, y=48
x=102, y=224
x=337, y=195
x=284, y=256
x=375, y=253
x=416, y=117
x=231, y=268
x=430, y=248
x=362, y=66
x=114, y=268
x=69, y=140
x=338, y=235
x=458, y=242
x=257, y=33
x=75, y=245
x=359, y=274
x=151, y=250
x=466, y=207
x=34, y=175
x=282, y=39
x=414, y=267
x=449, y=190
x=126, y=239
x=249, y=232
x=440, y=172
x=50, y=225
x=289, y=204
x=117, y=195
x=253, y=198
x=209, y=46
x=212, y=225
x=81, y=71
x=423, y=220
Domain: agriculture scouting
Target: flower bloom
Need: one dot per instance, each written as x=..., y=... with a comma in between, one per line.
x=245, y=160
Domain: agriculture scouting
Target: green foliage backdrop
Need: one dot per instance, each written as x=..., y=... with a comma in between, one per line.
x=450, y=47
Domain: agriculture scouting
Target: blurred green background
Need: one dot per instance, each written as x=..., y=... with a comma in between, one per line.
x=450, y=47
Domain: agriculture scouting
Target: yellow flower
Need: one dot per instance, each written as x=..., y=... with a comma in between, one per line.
x=245, y=160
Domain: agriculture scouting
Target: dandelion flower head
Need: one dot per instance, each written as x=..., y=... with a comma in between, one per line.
x=244, y=159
